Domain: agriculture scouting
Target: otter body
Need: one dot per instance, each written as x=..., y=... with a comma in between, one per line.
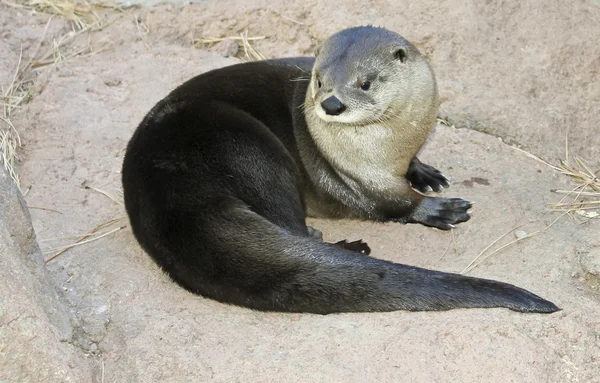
x=220, y=175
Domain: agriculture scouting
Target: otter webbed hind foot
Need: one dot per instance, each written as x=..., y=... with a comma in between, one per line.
x=356, y=246
x=426, y=178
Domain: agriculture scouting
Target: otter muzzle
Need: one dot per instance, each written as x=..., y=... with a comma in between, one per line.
x=333, y=106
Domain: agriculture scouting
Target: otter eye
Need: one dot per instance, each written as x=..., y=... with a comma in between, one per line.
x=365, y=85
x=319, y=83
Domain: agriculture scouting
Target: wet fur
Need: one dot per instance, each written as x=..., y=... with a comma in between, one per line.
x=218, y=179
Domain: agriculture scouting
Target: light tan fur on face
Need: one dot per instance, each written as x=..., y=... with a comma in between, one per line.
x=374, y=153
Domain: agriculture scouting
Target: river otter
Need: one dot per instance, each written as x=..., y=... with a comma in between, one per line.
x=220, y=175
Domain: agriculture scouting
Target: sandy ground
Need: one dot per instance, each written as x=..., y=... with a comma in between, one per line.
x=130, y=323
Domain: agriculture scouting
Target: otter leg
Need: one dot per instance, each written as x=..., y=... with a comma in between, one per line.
x=356, y=246
x=425, y=178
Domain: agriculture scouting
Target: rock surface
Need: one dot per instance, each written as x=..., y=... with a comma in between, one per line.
x=35, y=326
x=119, y=318
x=526, y=71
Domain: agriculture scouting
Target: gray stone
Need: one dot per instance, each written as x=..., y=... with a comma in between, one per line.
x=34, y=324
x=590, y=262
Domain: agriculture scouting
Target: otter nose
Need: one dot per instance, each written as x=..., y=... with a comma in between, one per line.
x=332, y=106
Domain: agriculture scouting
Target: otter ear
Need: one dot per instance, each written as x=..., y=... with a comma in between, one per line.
x=401, y=54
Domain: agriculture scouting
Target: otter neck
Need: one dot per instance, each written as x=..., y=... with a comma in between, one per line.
x=375, y=156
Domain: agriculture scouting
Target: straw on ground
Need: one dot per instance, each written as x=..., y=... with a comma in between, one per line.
x=588, y=186
x=82, y=13
x=84, y=238
x=17, y=93
x=586, y=194
x=12, y=97
x=250, y=52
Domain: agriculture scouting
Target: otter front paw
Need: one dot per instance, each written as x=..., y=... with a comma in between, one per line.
x=442, y=213
x=425, y=178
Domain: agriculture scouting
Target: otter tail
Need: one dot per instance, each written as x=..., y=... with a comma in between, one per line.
x=241, y=258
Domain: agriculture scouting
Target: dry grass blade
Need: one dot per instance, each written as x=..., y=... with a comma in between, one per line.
x=569, y=192
x=286, y=17
x=13, y=85
x=64, y=48
x=473, y=265
x=12, y=128
x=65, y=238
x=589, y=188
x=250, y=53
x=533, y=156
x=143, y=30
x=8, y=147
x=589, y=172
x=490, y=245
x=44, y=208
x=27, y=191
x=82, y=239
x=450, y=243
x=213, y=40
x=64, y=248
x=582, y=203
x=587, y=180
x=107, y=194
x=10, y=140
x=466, y=270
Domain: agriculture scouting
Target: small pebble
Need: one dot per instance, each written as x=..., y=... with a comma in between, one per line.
x=520, y=234
x=590, y=262
x=226, y=48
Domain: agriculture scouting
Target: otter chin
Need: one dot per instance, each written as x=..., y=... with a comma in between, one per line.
x=220, y=175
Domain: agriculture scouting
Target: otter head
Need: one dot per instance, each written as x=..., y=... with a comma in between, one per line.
x=365, y=75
